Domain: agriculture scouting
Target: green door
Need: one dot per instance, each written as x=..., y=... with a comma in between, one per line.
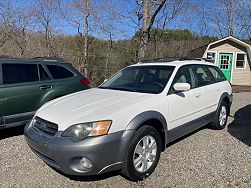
x=19, y=98
x=225, y=64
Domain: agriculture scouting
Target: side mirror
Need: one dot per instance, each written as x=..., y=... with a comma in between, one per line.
x=181, y=87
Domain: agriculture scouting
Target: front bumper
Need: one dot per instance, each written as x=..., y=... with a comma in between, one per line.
x=105, y=152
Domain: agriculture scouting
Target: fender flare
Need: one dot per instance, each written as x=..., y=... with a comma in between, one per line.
x=138, y=120
x=224, y=95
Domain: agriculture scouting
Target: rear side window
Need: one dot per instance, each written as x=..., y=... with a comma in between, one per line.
x=59, y=72
x=216, y=74
x=19, y=73
x=220, y=73
x=201, y=75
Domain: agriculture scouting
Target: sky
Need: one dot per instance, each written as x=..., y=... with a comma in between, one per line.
x=122, y=27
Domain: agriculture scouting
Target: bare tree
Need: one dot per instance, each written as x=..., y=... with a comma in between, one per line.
x=225, y=18
x=244, y=18
x=170, y=11
x=5, y=21
x=87, y=14
x=230, y=6
x=77, y=14
x=45, y=12
x=150, y=9
x=16, y=22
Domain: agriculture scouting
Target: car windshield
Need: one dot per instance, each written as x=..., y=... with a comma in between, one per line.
x=144, y=79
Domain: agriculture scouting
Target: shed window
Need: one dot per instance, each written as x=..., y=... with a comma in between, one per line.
x=211, y=57
x=240, y=61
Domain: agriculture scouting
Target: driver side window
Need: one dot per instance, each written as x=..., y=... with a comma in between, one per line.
x=184, y=75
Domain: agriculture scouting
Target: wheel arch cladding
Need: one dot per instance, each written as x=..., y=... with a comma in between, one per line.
x=227, y=98
x=154, y=119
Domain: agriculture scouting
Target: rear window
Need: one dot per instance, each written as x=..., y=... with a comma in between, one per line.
x=59, y=72
x=19, y=73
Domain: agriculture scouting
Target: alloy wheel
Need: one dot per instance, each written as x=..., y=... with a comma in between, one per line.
x=145, y=153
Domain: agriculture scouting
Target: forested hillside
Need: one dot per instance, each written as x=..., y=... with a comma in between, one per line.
x=95, y=34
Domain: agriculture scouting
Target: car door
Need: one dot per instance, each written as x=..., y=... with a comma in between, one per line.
x=46, y=86
x=65, y=80
x=216, y=88
x=207, y=88
x=184, y=106
x=21, y=91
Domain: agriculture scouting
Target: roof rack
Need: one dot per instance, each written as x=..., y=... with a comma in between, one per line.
x=196, y=59
x=169, y=59
x=49, y=59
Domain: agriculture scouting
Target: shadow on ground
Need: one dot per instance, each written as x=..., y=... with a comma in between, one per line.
x=15, y=131
x=95, y=177
x=240, y=127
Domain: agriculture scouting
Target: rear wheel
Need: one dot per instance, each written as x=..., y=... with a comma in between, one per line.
x=143, y=154
x=221, y=117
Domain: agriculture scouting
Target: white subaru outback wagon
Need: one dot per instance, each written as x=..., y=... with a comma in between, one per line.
x=126, y=123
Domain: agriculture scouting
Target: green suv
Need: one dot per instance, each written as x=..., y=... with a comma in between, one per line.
x=26, y=84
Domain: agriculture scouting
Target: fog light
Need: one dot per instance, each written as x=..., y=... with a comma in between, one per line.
x=86, y=163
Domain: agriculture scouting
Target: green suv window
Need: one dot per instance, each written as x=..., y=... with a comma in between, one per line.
x=19, y=73
x=59, y=72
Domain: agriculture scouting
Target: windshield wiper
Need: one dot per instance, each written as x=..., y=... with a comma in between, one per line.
x=118, y=88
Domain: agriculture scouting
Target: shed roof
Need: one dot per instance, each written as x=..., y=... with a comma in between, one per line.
x=199, y=52
x=238, y=41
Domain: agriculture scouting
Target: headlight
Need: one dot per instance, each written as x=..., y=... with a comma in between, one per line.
x=83, y=130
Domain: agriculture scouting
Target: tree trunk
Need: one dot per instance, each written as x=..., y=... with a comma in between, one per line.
x=230, y=10
x=86, y=37
x=144, y=34
x=149, y=14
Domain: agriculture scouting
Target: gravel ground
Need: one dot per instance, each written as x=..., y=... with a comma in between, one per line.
x=206, y=158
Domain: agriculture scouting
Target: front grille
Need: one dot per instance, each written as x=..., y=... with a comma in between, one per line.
x=45, y=126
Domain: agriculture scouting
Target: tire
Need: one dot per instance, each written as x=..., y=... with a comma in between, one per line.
x=141, y=163
x=221, y=117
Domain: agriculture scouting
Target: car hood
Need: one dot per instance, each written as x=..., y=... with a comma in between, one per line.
x=89, y=105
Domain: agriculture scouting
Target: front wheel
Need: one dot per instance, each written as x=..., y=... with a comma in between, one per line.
x=143, y=154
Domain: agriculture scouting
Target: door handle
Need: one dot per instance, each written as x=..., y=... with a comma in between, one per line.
x=198, y=96
x=44, y=87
